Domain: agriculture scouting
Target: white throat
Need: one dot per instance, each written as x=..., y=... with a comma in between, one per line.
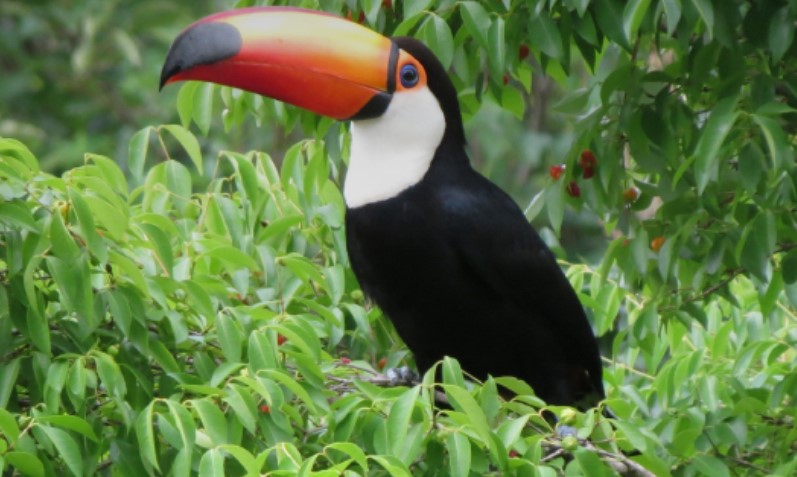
x=393, y=152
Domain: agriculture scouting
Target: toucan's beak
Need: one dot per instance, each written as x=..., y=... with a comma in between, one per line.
x=313, y=60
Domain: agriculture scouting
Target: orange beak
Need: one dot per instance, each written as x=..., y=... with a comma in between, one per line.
x=313, y=60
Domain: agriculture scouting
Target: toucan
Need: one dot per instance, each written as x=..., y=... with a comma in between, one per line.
x=446, y=254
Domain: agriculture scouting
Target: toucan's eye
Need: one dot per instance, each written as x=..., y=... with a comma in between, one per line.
x=409, y=76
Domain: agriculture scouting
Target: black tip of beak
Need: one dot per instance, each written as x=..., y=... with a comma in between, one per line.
x=202, y=44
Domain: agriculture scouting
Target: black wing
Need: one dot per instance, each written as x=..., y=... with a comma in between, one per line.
x=493, y=239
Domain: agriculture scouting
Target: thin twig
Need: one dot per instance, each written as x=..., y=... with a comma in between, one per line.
x=635, y=466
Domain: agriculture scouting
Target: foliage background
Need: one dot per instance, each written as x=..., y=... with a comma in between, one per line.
x=170, y=308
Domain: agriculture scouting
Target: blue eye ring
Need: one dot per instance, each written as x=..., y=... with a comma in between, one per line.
x=409, y=76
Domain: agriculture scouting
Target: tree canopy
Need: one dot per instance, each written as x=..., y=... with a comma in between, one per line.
x=176, y=298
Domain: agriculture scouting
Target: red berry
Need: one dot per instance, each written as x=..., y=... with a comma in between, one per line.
x=265, y=409
x=523, y=52
x=506, y=79
x=573, y=190
x=281, y=340
x=588, y=163
x=387, y=4
x=345, y=360
x=513, y=453
x=556, y=171
x=657, y=243
x=587, y=159
x=631, y=194
x=380, y=365
x=361, y=18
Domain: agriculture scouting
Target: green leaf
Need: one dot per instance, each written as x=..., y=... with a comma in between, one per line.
x=16, y=215
x=113, y=219
x=110, y=173
x=88, y=229
x=496, y=49
x=788, y=268
x=672, y=12
x=213, y=420
x=261, y=353
x=38, y=332
x=758, y=245
x=232, y=257
x=8, y=376
x=459, y=456
x=8, y=424
x=110, y=374
x=398, y=423
x=710, y=465
x=510, y=430
x=184, y=424
x=781, y=32
x=247, y=174
x=74, y=282
x=452, y=372
x=292, y=385
x=178, y=180
x=189, y=143
x=437, y=36
x=242, y=405
x=579, y=5
x=212, y=464
x=352, y=450
x=26, y=463
x=775, y=137
x=230, y=337
x=203, y=107
x=61, y=241
x=244, y=458
x=163, y=357
x=414, y=7
x=128, y=271
x=512, y=100
x=67, y=448
x=609, y=18
x=544, y=34
x=634, y=12
x=161, y=247
x=14, y=149
x=71, y=423
x=185, y=102
x=555, y=204
x=137, y=153
x=462, y=401
x=476, y=20
x=590, y=463
x=706, y=12
x=392, y=465
x=712, y=138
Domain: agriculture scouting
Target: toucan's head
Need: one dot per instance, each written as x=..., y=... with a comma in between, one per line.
x=402, y=105
x=316, y=61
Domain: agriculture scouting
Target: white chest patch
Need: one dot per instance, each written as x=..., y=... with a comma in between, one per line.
x=393, y=152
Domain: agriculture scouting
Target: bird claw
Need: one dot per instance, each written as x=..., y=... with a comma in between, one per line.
x=402, y=376
x=564, y=431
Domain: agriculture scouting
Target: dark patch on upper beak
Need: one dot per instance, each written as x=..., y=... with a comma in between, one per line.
x=202, y=44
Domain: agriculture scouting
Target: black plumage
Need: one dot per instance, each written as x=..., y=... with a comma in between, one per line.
x=447, y=255
x=453, y=262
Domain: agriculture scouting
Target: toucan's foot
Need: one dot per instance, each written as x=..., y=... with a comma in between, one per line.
x=564, y=431
x=402, y=376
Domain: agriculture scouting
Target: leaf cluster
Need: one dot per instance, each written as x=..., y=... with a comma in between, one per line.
x=198, y=316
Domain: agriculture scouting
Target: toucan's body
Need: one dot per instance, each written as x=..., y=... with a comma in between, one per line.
x=446, y=254
x=457, y=268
